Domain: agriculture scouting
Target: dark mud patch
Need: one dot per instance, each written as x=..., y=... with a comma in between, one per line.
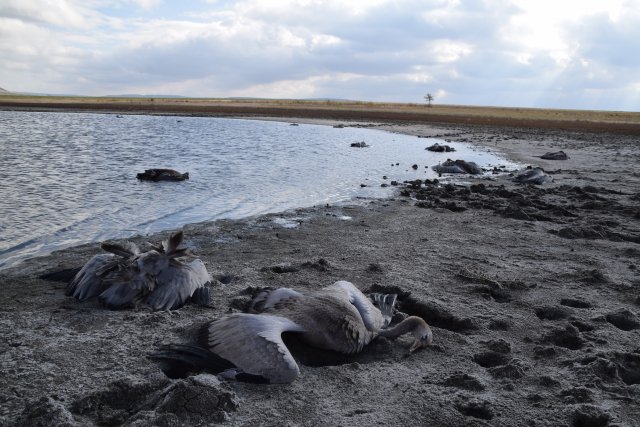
x=549, y=381
x=500, y=324
x=490, y=359
x=628, y=367
x=159, y=401
x=476, y=408
x=553, y=313
x=595, y=232
x=624, y=320
x=495, y=293
x=582, y=326
x=575, y=303
x=514, y=369
x=227, y=278
x=569, y=337
x=281, y=268
x=436, y=315
x=464, y=381
x=376, y=268
x=576, y=395
x=590, y=416
x=545, y=352
x=65, y=275
x=583, y=232
x=45, y=412
x=593, y=277
x=614, y=367
x=499, y=346
x=318, y=265
x=531, y=203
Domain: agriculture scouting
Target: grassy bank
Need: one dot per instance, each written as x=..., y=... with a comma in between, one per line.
x=579, y=120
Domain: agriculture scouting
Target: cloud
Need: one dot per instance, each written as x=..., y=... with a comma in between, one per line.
x=147, y=4
x=61, y=13
x=501, y=52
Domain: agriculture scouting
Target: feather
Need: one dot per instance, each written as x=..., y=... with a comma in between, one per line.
x=337, y=318
x=124, y=249
x=87, y=283
x=179, y=360
x=253, y=342
x=371, y=316
x=126, y=277
x=171, y=244
x=176, y=284
x=119, y=296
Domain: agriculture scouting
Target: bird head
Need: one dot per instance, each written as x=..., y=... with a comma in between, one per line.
x=423, y=336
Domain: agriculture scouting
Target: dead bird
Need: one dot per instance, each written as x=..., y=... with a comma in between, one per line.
x=249, y=346
x=163, y=278
x=162, y=175
x=437, y=148
x=557, y=155
x=457, y=166
x=533, y=176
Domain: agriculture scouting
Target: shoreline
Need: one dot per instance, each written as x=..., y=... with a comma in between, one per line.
x=13, y=258
x=532, y=293
x=618, y=122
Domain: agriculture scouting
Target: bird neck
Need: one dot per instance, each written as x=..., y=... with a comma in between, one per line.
x=410, y=324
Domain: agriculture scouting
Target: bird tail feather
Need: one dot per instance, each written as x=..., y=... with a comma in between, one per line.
x=386, y=304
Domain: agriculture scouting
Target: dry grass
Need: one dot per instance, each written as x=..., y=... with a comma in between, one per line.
x=615, y=121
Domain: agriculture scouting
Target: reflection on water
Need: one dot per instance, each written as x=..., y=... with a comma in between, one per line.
x=70, y=178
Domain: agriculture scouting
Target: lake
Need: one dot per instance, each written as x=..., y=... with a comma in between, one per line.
x=70, y=178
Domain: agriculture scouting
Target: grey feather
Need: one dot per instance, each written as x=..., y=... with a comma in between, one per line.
x=88, y=283
x=123, y=249
x=125, y=277
x=253, y=343
x=176, y=284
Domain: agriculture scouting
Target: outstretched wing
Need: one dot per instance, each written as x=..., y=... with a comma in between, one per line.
x=371, y=316
x=127, y=288
x=88, y=282
x=253, y=343
x=176, y=283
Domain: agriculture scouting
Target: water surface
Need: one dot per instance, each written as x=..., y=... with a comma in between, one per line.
x=70, y=178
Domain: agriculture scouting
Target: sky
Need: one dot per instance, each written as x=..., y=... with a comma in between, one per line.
x=576, y=54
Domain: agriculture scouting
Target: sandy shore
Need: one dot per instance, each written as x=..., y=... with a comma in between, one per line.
x=533, y=294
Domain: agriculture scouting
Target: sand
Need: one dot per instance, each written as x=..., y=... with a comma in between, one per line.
x=533, y=293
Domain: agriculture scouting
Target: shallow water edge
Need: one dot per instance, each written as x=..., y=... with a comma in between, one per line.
x=245, y=181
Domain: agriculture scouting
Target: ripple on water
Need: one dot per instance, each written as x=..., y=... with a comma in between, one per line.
x=73, y=174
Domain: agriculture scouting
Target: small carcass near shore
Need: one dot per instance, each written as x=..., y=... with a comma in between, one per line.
x=458, y=166
x=162, y=175
x=531, y=175
x=555, y=155
x=437, y=148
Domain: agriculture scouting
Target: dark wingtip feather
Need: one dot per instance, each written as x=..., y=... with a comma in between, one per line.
x=202, y=296
x=183, y=359
x=172, y=243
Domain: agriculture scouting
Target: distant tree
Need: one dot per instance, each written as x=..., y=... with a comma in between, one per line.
x=428, y=97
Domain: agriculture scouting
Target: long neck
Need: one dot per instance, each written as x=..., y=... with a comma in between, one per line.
x=409, y=324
